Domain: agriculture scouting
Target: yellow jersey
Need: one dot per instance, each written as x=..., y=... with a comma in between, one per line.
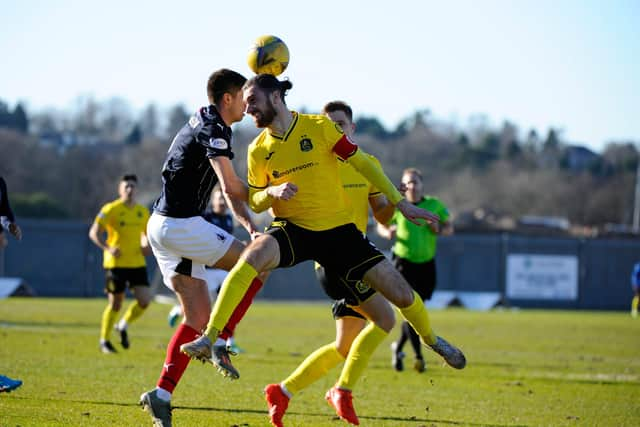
x=358, y=190
x=124, y=226
x=303, y=156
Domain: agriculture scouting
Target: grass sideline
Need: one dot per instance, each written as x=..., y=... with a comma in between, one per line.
x=525, y=368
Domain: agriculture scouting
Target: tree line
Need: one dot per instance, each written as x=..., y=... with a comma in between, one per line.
x=67, y=164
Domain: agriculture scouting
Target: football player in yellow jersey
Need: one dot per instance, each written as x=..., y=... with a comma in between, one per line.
x=349, y=320
x=124, y=222
x=293, y=168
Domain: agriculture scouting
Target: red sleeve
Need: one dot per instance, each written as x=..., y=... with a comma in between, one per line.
x=345, y=148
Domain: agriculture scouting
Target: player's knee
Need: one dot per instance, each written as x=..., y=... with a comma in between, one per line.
x=404, y=297
x=263, y=254
x=386, y=320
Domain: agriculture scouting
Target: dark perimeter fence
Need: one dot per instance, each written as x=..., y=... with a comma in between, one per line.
x=56, y=258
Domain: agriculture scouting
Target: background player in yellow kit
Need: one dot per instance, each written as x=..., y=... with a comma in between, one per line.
x=124, y=222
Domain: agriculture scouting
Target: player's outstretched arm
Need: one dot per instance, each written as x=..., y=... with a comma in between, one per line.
x=415, y=214
x=235, y=192
x=381, y=208
x=376, y=176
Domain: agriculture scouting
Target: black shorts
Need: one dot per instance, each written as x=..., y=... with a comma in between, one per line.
x=117, y=279
x=343, y=250
x=421, y=276
x=344, y=296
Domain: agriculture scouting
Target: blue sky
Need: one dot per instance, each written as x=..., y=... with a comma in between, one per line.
x=572, y=65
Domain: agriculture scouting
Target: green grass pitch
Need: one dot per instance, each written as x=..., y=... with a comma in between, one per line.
x=525, y=368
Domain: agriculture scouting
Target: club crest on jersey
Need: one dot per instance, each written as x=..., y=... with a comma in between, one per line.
x=218, y=143
x=306, y=145
x=362, y=287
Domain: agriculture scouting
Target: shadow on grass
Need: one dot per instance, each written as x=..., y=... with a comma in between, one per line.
x=47, y=324
x=411, y=419
x=304, y=414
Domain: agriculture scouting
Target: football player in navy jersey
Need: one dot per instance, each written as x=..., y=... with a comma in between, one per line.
x=218, y=214
x=183, y=242
x=8, y=221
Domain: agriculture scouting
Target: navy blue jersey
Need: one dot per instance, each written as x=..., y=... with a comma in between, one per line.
x=224, y=221
x=187, y=175
x=6, y=214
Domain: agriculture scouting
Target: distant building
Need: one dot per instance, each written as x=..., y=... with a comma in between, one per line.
x=579, y=158
x=543, y=225
x=618, y=230
x=481, y=220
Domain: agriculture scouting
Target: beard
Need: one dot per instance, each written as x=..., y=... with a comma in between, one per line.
x=265, y=117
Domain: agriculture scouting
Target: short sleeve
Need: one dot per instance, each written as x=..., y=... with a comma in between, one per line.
x=145, y=216
x=442, y=211
x=212, y=133
x=217, y=142
x=102, y=219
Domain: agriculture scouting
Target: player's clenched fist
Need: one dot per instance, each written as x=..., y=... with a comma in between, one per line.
x=283, y=191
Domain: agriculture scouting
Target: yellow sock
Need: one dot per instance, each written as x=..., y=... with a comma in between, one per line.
x=358, y=358
x=133, y=312
x=418, y=317
x=234, y=287
x=109, y=318
x=634, y=304
x=316, y=365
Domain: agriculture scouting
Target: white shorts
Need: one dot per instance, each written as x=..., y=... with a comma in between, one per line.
x=186, y=245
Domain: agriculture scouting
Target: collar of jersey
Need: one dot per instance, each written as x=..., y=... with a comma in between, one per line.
x=288, y=132
x=122, y=203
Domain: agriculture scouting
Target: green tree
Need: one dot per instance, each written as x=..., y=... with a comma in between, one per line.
x=37, y=205
x=20, y=120
x=552, y=142
x=178, y=116
x=135, y=136
x=371, y=126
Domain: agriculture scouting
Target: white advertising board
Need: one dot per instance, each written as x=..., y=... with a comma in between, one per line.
x=550, y=277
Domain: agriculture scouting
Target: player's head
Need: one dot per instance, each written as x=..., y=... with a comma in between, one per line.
x=224, y=90
x=264, y=98
x=218, y=202
x=127, y=187
x=341, y=113
x=412, y=180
